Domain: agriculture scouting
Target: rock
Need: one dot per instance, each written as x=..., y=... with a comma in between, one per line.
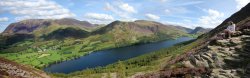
x=222, y=42
x=209, y=60
x=232, y=48
x=188, y=64
x=236, y=34
x=225, y=49
x=197, y=57
x=235, y=41
x=246, y=31
x=192, y=59
x=208, y=54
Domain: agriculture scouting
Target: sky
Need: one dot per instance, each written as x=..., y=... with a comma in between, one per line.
x=187, y=13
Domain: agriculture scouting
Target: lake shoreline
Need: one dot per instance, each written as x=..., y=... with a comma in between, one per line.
x=47, y=69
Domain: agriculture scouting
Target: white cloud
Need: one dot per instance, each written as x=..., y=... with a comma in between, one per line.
x=159, y=0
x=98, y=18
x=4, y=19
x=128, y=8
x=119, y=9
x=186, y=23
x=241, y=3
x=189, y=3
x=152, y=17
x=211, y=20
x=176, y=10
x=35, y=9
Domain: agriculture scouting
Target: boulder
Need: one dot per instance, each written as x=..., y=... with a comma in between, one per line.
x=236, y=34
x=188, y=64
x=197, y=57
x=235, y=41
x=222, y=42
x=207, y=58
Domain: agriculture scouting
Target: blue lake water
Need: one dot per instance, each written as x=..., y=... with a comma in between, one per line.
x=105, y=57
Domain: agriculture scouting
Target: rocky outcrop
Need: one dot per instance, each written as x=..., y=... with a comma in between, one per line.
x=225, y=58
x=10, y=69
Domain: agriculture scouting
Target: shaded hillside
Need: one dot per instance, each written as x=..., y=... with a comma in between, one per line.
x=66, y=32
x=200, y=30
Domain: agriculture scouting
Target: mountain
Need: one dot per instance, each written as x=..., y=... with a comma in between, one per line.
x=31, y=26
x=187, y=30
x=200, y=30
x=139, y=31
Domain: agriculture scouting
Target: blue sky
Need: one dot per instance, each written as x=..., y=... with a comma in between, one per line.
x=187, y=13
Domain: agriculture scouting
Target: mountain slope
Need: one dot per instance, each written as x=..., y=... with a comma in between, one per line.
x=31, y=25
x=138, y=31
x=187, y=30
x=213, y=56
x=200, y=30
x=9, y=69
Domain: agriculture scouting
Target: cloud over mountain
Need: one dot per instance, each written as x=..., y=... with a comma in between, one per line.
x=35, y=9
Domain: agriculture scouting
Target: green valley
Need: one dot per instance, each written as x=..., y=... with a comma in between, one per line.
x=56, y=43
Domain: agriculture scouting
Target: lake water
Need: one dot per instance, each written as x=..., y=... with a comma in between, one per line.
x=105, y=57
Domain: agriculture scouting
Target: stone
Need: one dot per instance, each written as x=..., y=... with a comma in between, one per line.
x=207, y=58
x=235, y=41
x=222, y=42
x=197, y=57
x=225, y=49
x=231, y=48
x=188, y=64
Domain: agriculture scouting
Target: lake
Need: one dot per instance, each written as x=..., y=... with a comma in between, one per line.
x=105, y=57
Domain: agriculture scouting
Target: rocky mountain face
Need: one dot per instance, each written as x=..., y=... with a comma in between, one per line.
x=200, y=30
x=226, y=58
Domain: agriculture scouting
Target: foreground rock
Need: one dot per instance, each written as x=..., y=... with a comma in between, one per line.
x=10, y=69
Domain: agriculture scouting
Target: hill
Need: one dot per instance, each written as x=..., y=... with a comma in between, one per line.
x=200, y=30
x=187, y=30
x=138, y=31
x=31, y=25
